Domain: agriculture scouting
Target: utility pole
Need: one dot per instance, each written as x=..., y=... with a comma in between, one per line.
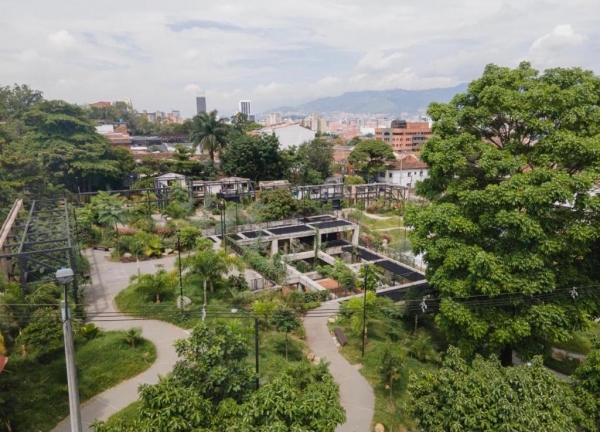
x=65, y=276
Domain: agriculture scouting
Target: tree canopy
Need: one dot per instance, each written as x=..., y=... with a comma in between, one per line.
x=369, y=156
x=212, y=388
x=255, y=157
x=485, y=396
x=512, y=227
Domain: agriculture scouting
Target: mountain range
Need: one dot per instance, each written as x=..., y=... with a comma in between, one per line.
x=391, y=102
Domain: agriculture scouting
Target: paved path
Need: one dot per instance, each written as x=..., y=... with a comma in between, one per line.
x=108, y=279
x=356, y=393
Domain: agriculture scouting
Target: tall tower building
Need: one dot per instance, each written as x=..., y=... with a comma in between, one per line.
x=245, y=108
x=200, y=103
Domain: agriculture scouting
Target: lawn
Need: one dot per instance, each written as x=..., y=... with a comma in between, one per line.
x=136, y=304
x=38, y=393
x=389, y=411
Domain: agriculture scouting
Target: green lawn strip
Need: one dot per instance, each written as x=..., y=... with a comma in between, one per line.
x=390, y=412
x=40, y=391
x=130, y=412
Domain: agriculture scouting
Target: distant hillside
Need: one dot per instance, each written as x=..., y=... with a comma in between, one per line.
x=376, y=102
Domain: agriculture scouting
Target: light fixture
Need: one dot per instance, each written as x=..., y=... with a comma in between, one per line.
x=65, y=275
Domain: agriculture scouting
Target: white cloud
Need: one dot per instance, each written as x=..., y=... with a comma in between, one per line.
x=378, y=61
x=563, y=36
x=279, y=53
x=62, y=40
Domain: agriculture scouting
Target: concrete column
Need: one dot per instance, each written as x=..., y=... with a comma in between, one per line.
x=355, y=236
x=274, y=247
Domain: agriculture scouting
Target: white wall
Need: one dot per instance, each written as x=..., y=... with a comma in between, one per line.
x=291, y=135
x=405, y=177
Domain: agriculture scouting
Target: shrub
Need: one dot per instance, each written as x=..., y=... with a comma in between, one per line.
x=132, y=336
x=89, y=331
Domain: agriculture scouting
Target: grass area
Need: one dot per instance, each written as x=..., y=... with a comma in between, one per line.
x=38, y=393
x=134, y=303
x=127, y=413
x=580, y=342
x=372, y=223
x=389, y=409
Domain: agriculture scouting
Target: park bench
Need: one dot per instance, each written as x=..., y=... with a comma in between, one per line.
x=102, y=248
x=341, y=337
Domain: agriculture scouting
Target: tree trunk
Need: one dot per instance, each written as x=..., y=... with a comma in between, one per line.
x=506, y=356
x=157, y=298
x=286, y=342
x=212, y=287
x=204, y=291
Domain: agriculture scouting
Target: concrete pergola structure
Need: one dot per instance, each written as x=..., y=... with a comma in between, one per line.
x=335, y=237
x=324, y=228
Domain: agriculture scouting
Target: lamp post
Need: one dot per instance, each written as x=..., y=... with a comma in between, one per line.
x=255, y=341
x=181, y=303
x=221, y=206
x=65, y=276
x=366, y=267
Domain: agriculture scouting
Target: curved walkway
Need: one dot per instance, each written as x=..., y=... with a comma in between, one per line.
x=356, y=394
x=108, y=279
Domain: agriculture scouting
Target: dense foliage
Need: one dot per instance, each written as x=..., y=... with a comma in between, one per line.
x=511, y=219
x=255, y=157
x=485, y=396
x=369, y=157
x=212, y=388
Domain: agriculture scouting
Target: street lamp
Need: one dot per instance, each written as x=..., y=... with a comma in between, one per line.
x=65, y=276
x=255, y=340
x=366, y=267
x=181, y=302
x=222, y=206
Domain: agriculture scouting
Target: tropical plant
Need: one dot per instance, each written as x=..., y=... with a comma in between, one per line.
x=209, y=133
x=109, y=210
x=89, y=331
x=155, y=286
x=284, y=320
x=132, y=336
x=392, y=364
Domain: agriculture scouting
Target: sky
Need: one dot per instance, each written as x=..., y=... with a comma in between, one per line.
x=279, y=52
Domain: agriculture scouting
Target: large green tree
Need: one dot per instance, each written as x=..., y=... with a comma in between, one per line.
x=315, y=159
x=65, y=142
x=485, y=396
x=369, y=156
x=209, y=132
x=512, y=227
x=255, y=157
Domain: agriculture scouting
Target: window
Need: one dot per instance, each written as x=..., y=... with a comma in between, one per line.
x=409, y=174
x=390, y=174
x=421, y=173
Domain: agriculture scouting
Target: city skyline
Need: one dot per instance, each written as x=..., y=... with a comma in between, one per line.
x=292, y=52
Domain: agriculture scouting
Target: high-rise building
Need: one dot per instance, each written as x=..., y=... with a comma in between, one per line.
x=200, y=103
x=245, y=108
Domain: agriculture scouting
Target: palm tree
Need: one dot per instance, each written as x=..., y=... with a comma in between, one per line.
x=110, y=210
x=209, y=132
x=156, y=285
x=211, y=266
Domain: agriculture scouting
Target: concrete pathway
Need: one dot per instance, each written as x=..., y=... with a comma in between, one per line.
x=108, y=279
x=356, y=393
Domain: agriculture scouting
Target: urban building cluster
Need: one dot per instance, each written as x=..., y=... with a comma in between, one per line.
x=406, y=138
